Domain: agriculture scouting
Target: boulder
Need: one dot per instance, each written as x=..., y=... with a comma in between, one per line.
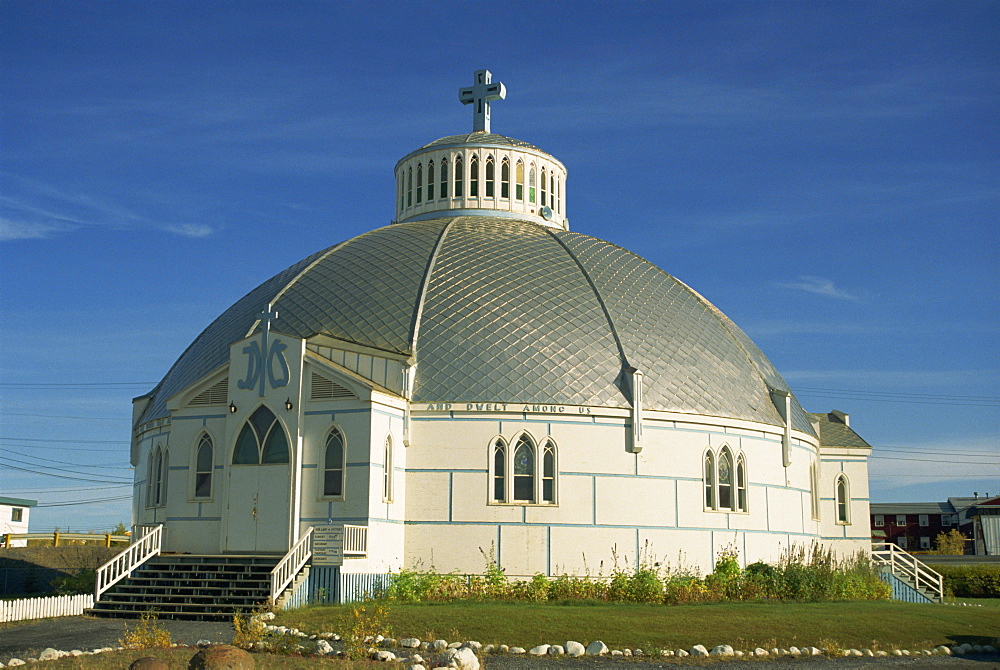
x=575, y=648
x=759, y=651
x=221, y=657
x=383, y=656
x=437, y=645
x=597, y=648
x=540, y=650
x=149, y=663
x=323, y=648
x=516, y=650
x=722, y=650
x=698, y=650
x=681, y=653
x=409, y=642
x=556, y=650
x=462, y=658
x=51, y=654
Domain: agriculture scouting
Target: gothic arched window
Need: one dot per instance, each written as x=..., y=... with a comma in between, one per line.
x=524, y=470
x=709, y=480
x=843, y=500
x=458, y=177
x=505, y=178
x=444, y=177
x=552, y=189
x=490, y=178
x=204, y=462
x=409, y=187
x=262, y=440
x=519, y=181
x=725, y=479
x=387, y=472
x=474, y=176
x=499, y=471
x=544, y=190
x=741, y=484
x=531, y=184
x=333, y=464
x=420, y=183
x=549, y=473
x=430, y=181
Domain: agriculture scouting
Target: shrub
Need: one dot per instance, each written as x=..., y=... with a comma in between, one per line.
x=82, y=582
x=971, y=581
x=149, y=634
x=951, y=543
x=361, y=624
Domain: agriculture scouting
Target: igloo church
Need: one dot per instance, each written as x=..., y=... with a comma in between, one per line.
x=475, y=382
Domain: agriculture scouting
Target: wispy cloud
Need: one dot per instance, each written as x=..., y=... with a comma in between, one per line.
x=191, y=230
x=819, y=286
x=18, y=230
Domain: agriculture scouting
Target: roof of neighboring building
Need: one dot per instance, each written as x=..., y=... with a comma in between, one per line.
x=911, y=508
x=17, y=502
x=833, y=432
x=501, y=310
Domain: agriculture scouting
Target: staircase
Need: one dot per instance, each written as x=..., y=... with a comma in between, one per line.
x=185, y=586
x=911, y=580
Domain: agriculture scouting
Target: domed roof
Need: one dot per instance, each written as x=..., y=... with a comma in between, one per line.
x=481, y=138
x=499, y=310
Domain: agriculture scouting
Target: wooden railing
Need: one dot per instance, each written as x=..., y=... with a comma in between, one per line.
x=288, y=567
x=56, y=537
x=44, y=608
x=122, y=565
x=355, y=540
x=907, y=567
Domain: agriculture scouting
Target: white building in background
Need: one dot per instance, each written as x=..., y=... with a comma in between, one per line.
x=477, y=381
x=14, y=513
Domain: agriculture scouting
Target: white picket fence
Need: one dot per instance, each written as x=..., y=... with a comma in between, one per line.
x=42, y=608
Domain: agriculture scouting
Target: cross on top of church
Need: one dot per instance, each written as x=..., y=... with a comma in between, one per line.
x=481, y=94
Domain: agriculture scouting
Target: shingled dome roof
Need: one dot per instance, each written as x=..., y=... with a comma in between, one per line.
x=500, y=310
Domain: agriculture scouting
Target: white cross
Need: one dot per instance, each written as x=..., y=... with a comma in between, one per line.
x=481, y=94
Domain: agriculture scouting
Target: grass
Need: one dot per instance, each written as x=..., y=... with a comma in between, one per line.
x=178, y=658
x=884, y=625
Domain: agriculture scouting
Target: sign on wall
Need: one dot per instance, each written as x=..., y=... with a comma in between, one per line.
x=328, y=545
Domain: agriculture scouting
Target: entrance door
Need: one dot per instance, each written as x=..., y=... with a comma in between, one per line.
x=258, y=517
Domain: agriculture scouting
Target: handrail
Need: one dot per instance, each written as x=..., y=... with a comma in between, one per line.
x=902, y=562
x=122, y=565
x=105, y=538
x=355, y=540
x=288, y=567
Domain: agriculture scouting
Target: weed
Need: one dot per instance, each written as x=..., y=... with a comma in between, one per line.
x=249, y=629
x=149, y=634
x=361, y=624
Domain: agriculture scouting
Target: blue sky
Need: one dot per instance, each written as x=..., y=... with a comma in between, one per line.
x=826, y=173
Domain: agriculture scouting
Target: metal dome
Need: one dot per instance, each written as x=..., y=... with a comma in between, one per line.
x=495, y=310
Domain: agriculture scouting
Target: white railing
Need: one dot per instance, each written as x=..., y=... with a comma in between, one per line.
x=288, y=567
x=355, y=540
x=43, y=608
x=907, y=567
x=104, y=538
x=122, y=565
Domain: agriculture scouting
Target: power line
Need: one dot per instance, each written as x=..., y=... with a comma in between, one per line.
x=932, y=460
x=990, y=454
x=52, y=460
x=67, y=490
x=84, y=502
x=38, y=439
x=74, y=385
x=923, y=396
x=78, y=479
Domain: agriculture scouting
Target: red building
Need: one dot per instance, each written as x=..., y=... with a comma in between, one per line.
x=914, y=526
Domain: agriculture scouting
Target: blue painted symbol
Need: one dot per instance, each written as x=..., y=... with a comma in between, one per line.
x=262, y=359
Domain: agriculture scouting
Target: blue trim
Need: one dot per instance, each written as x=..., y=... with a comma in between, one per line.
x=438, y=470
x=320, y=412
x=194, y=518
x=525, y=419
x=548, y=551
x=309, y=465
x=593, y=499
x=199, y=417
x=358, y=520
x=451, y=493
x=177, y=467
x=605, y=525
x=219, y=467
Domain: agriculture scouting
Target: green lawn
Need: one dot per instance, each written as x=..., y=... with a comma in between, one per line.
x=883, y=625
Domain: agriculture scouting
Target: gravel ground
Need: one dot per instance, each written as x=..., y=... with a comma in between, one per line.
x=26, y=639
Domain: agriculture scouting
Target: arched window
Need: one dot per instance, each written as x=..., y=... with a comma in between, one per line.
x=444, y=177
x=420, y=183
x=519, y=186
x=458, y=177
x=155, y=480
x=741, y=483
x=401, y=189
x=552, y=189
x=333, y=464
x=544, y=190
x=474, y=176
x=430, y=181
x=409, y=187
x=204, y=462
x=843, y=500
x=524, y=470
x=814, y=489
x=387, y=473
x=499, y=471
x=531, y=184
x=709, y=480
x=490, y=178
x=505, y=178
x=262, y=440
x=725, y=479
x=549, y=473
x=558, y=190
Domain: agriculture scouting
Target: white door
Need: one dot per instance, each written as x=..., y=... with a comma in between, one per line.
x=258, y=518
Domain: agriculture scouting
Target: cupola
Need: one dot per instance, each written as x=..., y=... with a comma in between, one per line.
x=481, y=173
